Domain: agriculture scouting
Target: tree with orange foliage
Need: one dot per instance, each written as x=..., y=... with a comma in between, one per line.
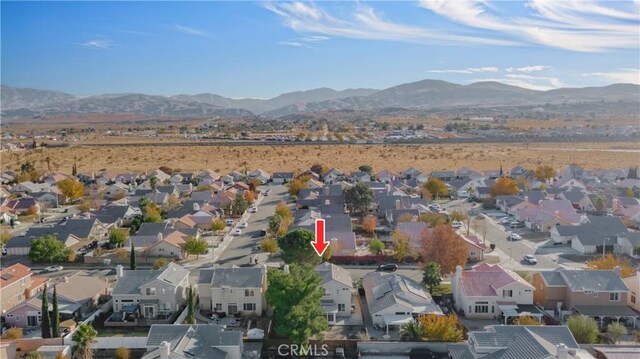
x=526, y=320
x=610, y=262
x=441, y=328
x=504, y=186
x=249, y=196
x=369, y=224
x=444, y=246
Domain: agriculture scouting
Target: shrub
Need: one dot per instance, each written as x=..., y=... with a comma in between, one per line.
x=13, y=333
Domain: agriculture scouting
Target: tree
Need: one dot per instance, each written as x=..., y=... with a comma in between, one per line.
x=457, y=216
x=296, y=300
x=122, y=254
x=436, y=188
x=117, y=236
x=376, y=246
x=152, y=214
x=526, y=320
x=431, y=276
x=441, y=328
x=295, y=186
x=629, y=192
x=369, y=224
x=45, y=323
x=153, y=183
x=190, y=319
x=610, y=262
x=132, y=258
x=412, y=331
x=218, y=224
x=195, y=246
x=71, y=189
x=401, y=246
x=432, y=219
x=615, y=331
x=13, y=333
x=633, y=172
x=365, y=168
x=240, y=204
x=35, y=355
x=544, y=173
x=296, y=247
x=274, y=223
x=358, y=198
x=317, y=168
x=504, y=186
x=48, y=249
x=600, y=202
x=583, y=328
x=444, y=246
x=160, y=263
x=269, y=245
x=55, y=315
x=249, y=196
x=82, y=339
x=284, y=211
x=123, y=353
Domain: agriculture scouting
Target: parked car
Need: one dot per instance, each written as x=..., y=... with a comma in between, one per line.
x=243, y=225
x=253, y=209
x=516, y=224
x=4, y=251
x=513, y=237
x=52, y=269
x=229, y=221
x=529, y=258
x=237, y=232
x=456, y=224
x=389, y=267
x=506, y=220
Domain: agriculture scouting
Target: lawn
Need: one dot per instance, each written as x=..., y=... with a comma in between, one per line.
x=442, y=289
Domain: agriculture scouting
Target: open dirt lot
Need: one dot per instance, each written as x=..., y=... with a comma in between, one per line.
x=483, y=156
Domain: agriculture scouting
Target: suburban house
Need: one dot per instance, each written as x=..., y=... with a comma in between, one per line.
x=488, y=291
x=569, y=183
x=233, y=290
x=414, y=230
x=394, y=299
x=334, y=175
x=337, y=288
x=628, y=243
x=153, y=293
x=207, y=177
x=115, y=191
x=445, y=176
x=546, y=214
x=360, y=176
x=22, y=205
x=589, y=237
x=579, y=200
x=17, y=284
x=116, y=215
x=633, y=283
x=339, y=231
x=521, y=342
x=281, y=177
x=475, y=247
x=78, y=295
x=174, y=341
x=386, y=176
x=260, y=175
x=595, y=293
x=161, y=240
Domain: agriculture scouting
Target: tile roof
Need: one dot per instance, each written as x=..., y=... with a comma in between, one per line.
x=81, y=286
x=485, y=279
x=13, y=274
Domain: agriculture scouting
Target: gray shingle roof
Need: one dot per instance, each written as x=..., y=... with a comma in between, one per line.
x=330, y=272
x=523, y=342
x=208, y=336
x=232, y=277
x=596, y=280
x=80, y=228
x=385, y=290
x=132, y=280
x=553, y=278
x=595, y=231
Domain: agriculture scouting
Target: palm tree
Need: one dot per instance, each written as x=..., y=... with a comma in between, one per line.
x=412, y=331
x=82, y=339
x=431, y=276
x=600, y=202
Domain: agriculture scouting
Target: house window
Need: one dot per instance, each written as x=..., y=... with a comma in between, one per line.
x=325, y=292
x=249, y=292
x=151, y=291
x=249, y=307
x=218, y=307
x=482, y=307
x=633, y=297
x=341, y=307
x=614, y=297
x=507, y=293
x=595, y=294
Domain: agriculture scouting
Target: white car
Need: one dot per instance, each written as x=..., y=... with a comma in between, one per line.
x=529, y=258
x=513, y=237
x=237, y=232
x=506, y=220
x=456, y=224
x=253, y=209
x=229, y=222
x=243, y=225
x=52, y=269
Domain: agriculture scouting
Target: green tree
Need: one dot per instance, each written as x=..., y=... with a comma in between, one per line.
x=583, y=328
x=55, y=315
x=436, y=187
x=615, y=331
x=412, y=331
x=358, y=198
x=195, y=246
x=45, y=323
x=48, y=249
x=191, y=319
x=431, y=276
x=117, y=236
x=401, y=246
x=433, y=219
x=159, y=263
x=600, y=202
x=375, y=246
x=132, y=258
x=296, y=247
x=274, y=223
x=35, y=355
x=365, y=168
x=152, y=214
x=295, y=297
x=218, y=224
x=153, y=183
x=82, y=339
x=240, y=204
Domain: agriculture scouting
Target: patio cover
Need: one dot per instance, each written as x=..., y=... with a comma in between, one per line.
x=606, y=311
x=396, y=319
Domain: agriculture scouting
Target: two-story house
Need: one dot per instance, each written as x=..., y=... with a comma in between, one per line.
x=595, y=293
x=233, y=290
x=488, y=291
x=337, y=288
x=157, y=293
x=17, y=284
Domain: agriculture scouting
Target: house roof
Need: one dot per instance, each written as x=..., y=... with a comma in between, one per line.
x=13, y=274
x=192, y=341
x=81, y=286
x=595, y=231
x=242, y=277
x=80, y=228
x=329, y=272
x=282, y=175
x=132, y=280
x=484, y=280
x=595, y=280
x=574, y=196
x=522, y=342
x=414, y=230
x=385, y=290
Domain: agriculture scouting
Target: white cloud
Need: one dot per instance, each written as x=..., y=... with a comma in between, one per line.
x=292, y=43
x=468, y=70
x=190, y=30
x=631, y=76
x=450, y=71
x=97, y=43
x=528, y=69
x=483, y=69
x=538, y=83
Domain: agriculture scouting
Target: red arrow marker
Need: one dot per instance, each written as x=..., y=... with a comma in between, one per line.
x=320, y=245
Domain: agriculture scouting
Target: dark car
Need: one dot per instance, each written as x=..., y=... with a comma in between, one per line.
x=388, y=267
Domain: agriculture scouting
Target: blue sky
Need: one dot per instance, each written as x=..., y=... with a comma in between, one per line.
x=262, y=49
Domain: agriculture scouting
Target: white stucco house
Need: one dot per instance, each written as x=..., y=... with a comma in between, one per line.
x=337, y=288
x=233, y=290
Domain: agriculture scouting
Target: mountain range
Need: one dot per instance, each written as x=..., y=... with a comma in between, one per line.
x=425, y=94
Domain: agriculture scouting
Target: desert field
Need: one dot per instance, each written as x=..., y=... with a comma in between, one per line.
x=347, y=157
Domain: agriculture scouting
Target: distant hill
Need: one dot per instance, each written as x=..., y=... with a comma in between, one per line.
x=421, y=95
